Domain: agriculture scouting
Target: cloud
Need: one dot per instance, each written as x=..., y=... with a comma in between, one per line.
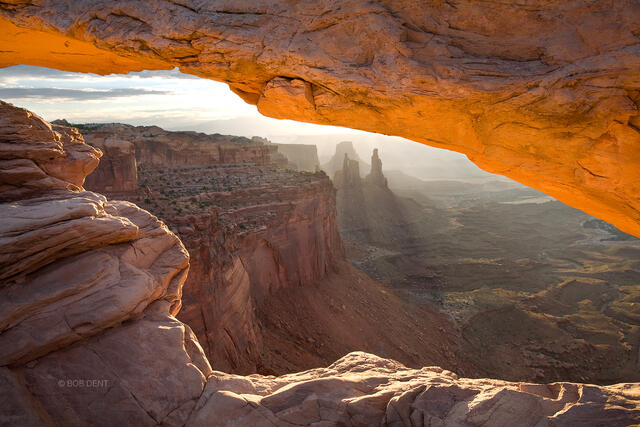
x=30, y=72
x=75, y=94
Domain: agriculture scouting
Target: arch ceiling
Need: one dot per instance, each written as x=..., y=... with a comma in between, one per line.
x=543, y=91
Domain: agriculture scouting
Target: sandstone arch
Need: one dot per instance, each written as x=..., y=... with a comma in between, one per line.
x=545, y=92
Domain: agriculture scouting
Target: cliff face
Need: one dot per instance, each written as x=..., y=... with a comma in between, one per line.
x=251, y=227
x=83, y=278
x=557, y=112
x=336, y=163
x=118, y=172
x=217, y=299
x=155, y=146
x=89, y=289
x=303, y=156
x=259, y=241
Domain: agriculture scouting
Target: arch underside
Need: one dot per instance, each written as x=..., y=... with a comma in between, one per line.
x=546, y=93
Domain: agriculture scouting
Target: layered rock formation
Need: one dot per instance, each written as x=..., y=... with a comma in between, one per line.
x=89, y=289
x=303, y=156
x=278, y=234
x=557, y=112
x=126, y=147
x=251, y=227
x=376, y=177
x=336, y=163
x=118, y=172
x=156, y=147
x=264, y=243
x=88, y=336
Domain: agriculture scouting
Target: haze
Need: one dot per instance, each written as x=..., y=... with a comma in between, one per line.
x=176, y=101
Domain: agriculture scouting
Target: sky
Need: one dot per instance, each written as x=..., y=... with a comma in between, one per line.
x=169, y=99
x=176, y=101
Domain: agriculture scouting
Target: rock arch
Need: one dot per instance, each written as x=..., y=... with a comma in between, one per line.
x=544, y=92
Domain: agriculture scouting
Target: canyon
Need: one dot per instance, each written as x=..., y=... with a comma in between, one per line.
x=264, y=247
x=91, y=288
x=539, y=291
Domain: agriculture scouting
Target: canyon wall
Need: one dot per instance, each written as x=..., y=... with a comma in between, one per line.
x=269, y=290
x=89, y=290
x=280, y=238
x=251, y=227
x=118, y=173
x=557, y=112
x=303, y=156
x=126, y=147
x=155, y=146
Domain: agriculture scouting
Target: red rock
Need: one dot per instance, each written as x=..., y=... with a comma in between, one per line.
x=36, y=157
x=82, y=346
x=118, y=167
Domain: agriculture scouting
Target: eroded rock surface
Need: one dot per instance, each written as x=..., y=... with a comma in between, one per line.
x=74, y=269
x=268, y=288
x=362, y=389
x=88, y=335
x=251, y=226
x=557, y=112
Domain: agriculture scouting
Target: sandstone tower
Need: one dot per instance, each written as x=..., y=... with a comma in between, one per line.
x=376, y=177
x=349, y=176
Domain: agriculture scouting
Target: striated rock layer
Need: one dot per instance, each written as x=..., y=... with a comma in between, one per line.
x=336, y=162
x=128, y=146
x=557, y=112
x=251, y=227
x=89, y=288
x=88, y=335
x=268, y=289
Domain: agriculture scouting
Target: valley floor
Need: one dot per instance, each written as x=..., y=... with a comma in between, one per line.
x=311, y=326
x=539, y=291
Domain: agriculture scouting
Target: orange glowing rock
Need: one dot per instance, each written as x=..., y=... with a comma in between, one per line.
x=545, y=93
x=53, y=50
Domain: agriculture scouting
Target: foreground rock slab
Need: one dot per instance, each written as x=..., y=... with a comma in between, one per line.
x=363, y=389
x=557, y=112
